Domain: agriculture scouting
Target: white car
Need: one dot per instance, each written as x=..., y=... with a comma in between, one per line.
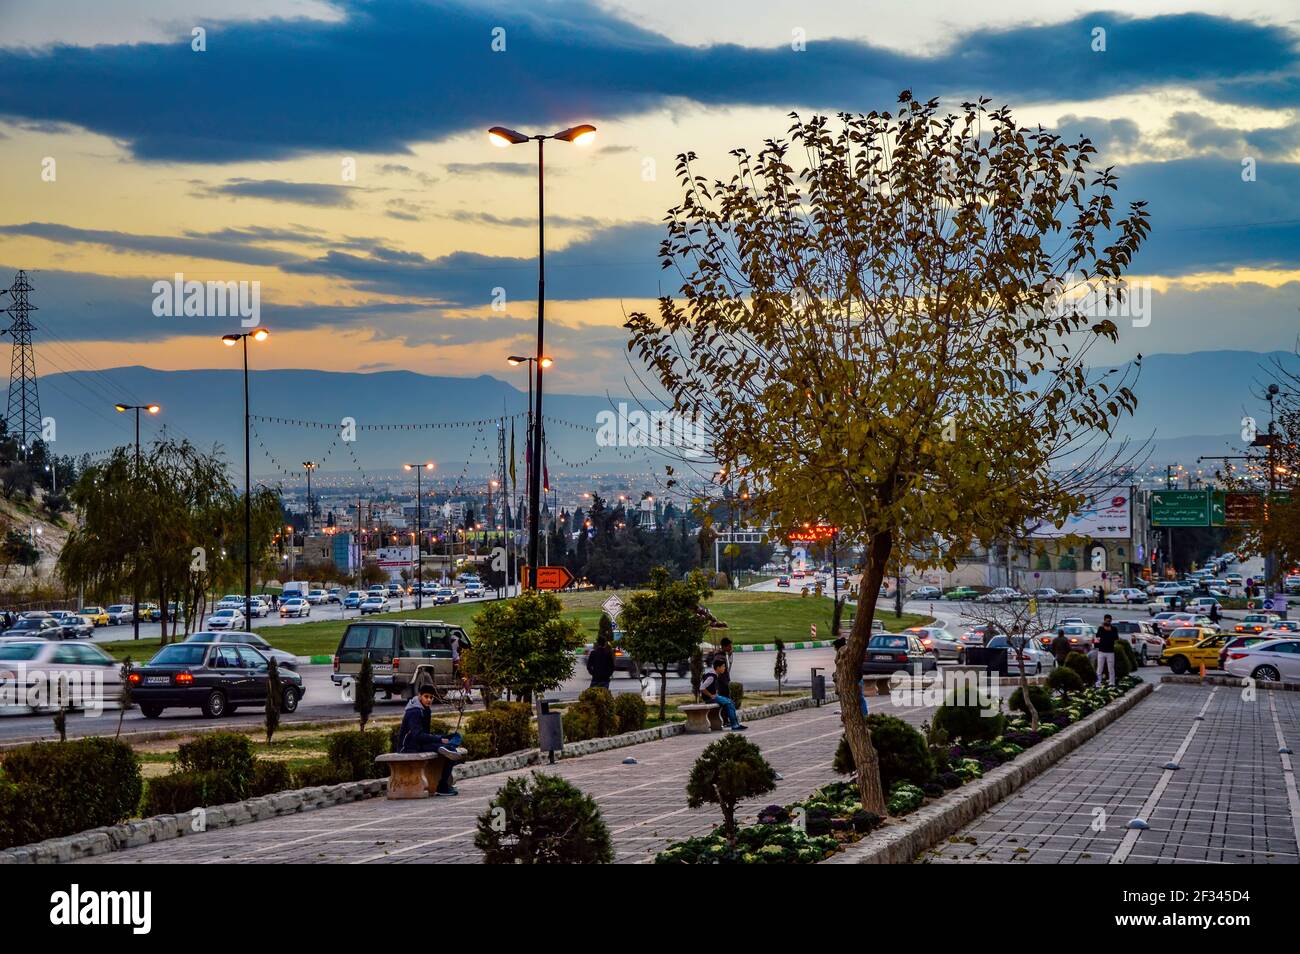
x=316, y=597
x=374, y=604
x=1127, y=595
x=259, y=607
x=1024, y=648
x=999, y=594
x=1141, y=635
x=226, y=619
x=1274, y=660
x=231, y=601
x=473, y=590
x=91, y=675
x=120, y=613
x=295, y=606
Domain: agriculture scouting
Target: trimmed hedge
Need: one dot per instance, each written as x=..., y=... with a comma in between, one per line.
x=591, y=717
x=506, y=727
x=226, y=753
x=967, y=723
x=1041, y=698
x=270, y=777
x=183, y=791
x=1082, y=667
x=630, y=711
x=353, y=753
x=1064, y=680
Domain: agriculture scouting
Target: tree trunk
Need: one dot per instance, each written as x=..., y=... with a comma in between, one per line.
x=848, y=674
x=1029, y=703
x=663, y=694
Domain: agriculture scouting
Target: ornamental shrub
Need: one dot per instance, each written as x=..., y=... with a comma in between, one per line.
x=228, y=753
x=1064, y=680
x=967, y=723
x=353, y=753
x=543, y=819
x=504, y=728
x=1041, y=698
x=629, y=712
x=1082, y=667
x=726, y=772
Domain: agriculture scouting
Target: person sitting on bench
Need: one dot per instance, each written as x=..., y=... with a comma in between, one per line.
x=713, y=688
x=415, y=735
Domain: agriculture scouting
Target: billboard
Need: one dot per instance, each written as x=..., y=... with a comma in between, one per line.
x=1106, y=516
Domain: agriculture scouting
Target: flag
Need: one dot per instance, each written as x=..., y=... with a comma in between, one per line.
x=513, y=483
x=546, y=474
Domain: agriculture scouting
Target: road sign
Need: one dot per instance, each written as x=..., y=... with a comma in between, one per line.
x=552, y=577
x=1180, y=508
x=612, y=607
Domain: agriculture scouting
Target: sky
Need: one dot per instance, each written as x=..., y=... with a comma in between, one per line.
x=335, y=153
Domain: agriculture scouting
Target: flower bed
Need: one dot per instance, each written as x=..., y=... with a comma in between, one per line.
x=832, y=817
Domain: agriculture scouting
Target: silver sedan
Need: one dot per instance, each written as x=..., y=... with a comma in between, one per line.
x=939, y=641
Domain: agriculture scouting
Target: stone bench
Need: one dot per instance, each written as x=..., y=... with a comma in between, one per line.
x=876, y=685
x=412, y=774
x=703, y=717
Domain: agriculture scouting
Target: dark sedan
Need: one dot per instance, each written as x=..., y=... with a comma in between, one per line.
x=37, y=626
x=215, y=677
x=887, y=653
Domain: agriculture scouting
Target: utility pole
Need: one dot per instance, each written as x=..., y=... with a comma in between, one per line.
x=23, y=416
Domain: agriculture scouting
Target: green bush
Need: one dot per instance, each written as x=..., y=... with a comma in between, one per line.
x=591, y=717
x=629, y=711
x=904, y=798
x=228, y=753
x=579, y=723
x=353, y=753
x=1125, y=661
x=737, y=694
x=506, y=727
x=182, y=791
x=726, y=772
x=967, y=723
x=1064, y=680
x=52, y=789
x=1083, y=669
x=1038, y=695
x=270, y=776
x=317, y=773
x=901, y=752
x=756, y=845
x=543, y=819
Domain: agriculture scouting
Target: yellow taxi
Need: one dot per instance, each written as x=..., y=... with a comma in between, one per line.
x=1186, y=657
x=94, y=614
x=1188, y=636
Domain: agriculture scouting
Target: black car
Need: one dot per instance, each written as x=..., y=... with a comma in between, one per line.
x=38, y=627
x=889, y=652
x=215, y=677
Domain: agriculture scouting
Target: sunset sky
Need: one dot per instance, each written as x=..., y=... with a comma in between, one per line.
x=228, y=163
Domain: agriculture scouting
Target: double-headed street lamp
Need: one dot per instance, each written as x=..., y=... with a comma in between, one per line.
x=419, y=574
x=309, y=466
x=257, y=334
x=122, y=409
x=501, y=136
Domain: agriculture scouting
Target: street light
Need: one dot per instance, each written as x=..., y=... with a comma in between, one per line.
x=135, y=589
x=230, y=340
x=503, y=136
x=419, y=575
x=309, y=466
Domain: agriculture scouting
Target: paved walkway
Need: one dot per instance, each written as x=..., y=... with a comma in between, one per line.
x=1233, y=800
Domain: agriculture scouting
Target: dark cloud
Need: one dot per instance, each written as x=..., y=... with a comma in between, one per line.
x=494, y=169
x=391, y=74
x=1106, y=134
x=277, y=190
x=232, y=249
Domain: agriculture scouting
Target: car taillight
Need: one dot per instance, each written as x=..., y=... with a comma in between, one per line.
x=184, y=679
x=134, y=678
x=336, y=663
x=1237, y=655
x=901, y=657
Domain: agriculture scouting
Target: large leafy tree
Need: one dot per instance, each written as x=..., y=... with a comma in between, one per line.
x=871, y=327
x=664, y=625
x=524, y=645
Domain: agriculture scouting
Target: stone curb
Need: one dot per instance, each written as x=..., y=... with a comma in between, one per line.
x=904, y=841
x=133, y=834
x=1232, y=682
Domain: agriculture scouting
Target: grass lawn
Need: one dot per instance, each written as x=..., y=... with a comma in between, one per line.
x=750, y=617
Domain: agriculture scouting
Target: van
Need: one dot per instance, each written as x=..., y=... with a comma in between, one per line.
x=403, y=654
x=295, y=588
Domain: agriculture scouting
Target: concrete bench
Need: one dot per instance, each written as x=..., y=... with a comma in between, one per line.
x=703, y=717
x=877, y=685
x=412, y=774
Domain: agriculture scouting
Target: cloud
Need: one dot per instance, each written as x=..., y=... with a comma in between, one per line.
x=406, y=71
x=227, y=249
x=277, y=190
x=493, y=168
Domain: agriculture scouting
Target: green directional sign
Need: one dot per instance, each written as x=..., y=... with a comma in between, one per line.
x=1180, y=508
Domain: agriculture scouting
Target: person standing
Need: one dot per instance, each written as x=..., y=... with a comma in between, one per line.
x=1060, y=646
x=600, y=663
x=1107, y=635
x=1214, y=613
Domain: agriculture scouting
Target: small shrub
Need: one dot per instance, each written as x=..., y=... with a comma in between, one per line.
x=726, y=772
x=505, y=728
x=948, y=779
x=843, y=764
x=1064, y=680
x=1083, y=669
x=270, y=776
x=967, y=723
x=182, y=791
x=737, y=694
x=591, y=717
x=1041, y=698
x=227, y=753
x=757, y=845
x=579, y=723
x=353, y=753
x=630, y=712
x=547, y=820
x=1125, y=661
x=317, y=773
x=900, y=750
x=904, y=798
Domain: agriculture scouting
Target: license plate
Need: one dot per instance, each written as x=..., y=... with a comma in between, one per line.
x=158, y=680
x=883, y=658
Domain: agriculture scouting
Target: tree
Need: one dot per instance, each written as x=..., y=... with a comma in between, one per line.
x=273, y=693
x=524, y=645
x=363, y=701
x=1019, y=622
x=664, y=626
x=879, y=338
x=781, y=666
x=727, y=771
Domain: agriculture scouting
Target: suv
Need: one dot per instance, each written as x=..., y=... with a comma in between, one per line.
x=403, y=653
x=1142, y=636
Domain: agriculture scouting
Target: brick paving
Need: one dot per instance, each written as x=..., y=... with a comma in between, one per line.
x=644, y=805
x=1233, y=800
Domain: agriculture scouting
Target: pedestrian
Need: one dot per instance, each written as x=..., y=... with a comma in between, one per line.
x=713, y=688
x=415, y=735
x=275, y=601
x=600, y=663
x=1101, y=594
x=1107, y=635
x=723, y=652
x=1214, y=613
x=1060, y=646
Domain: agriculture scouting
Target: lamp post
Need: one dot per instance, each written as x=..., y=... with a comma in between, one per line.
x=501, y=136
x=419, y=575
x=535, y=366
x=230, y=340
x=309, y=466
x=135, y=577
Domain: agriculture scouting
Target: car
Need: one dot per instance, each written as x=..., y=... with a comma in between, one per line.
x=446, y=595
x=960, y=593
x=374, y=604
x=938, y=641
x=782, y=581
x=1080, y=594
x=1256, y=622
x=216, y=678
x=1203, y=604
x=231, y=601
x=1234, y=579
x=72, y=625
x=295, y=606
x=1291, y=583
x=378, y=589
x=1165, y=604
x=1187, y=635
x=1238, y=641
x=1141, y=635
x=36, y=625
x=1284, y=626
x=1130, y=594
x=241, y=638
x=120, y=613
x=353, y=599
x=473, y=590
x=1172, y=621
x=96, y=614
x=334, y=594
x=1184, y=657
x=999, y=594
x=1046, y=594
x=1019, y=649
x=316, y=597
x=975, y=635
x=1273, y=660
x=403, y=654
x=396, y=589
x=91, y=675
x=226, y=619
x=1071, y=621
x=258, y=607
x=897, y=652
x=1169, y=588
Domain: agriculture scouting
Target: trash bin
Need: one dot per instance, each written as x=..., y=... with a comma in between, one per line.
x=550, y=730
x=818, y=686
x=993, y=660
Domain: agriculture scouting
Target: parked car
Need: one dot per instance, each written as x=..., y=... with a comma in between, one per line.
x=1080, y=594
x=120, y=613
x=890, y=652
x=1130, y=594
x=1272, y=660
x=403, y=654
x=353, y=599
x=922, y=592
x=296, y=606
x=1046, y=594
x=38, y=625
x=96, y=615
x=1036, y=659
x=940, y=642
x=960, y=593
x=1256, y=622
x=1141, y=635
x=217, y=678
x=41, y=661
x=241, y=638
x=72, y=625
x=226, y=619
x=1183, y=657
x=999, y=594
x=445, y=595
x=374, y=604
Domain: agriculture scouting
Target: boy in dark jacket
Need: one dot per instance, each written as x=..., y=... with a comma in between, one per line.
x=600, y=663
x=415, y=735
